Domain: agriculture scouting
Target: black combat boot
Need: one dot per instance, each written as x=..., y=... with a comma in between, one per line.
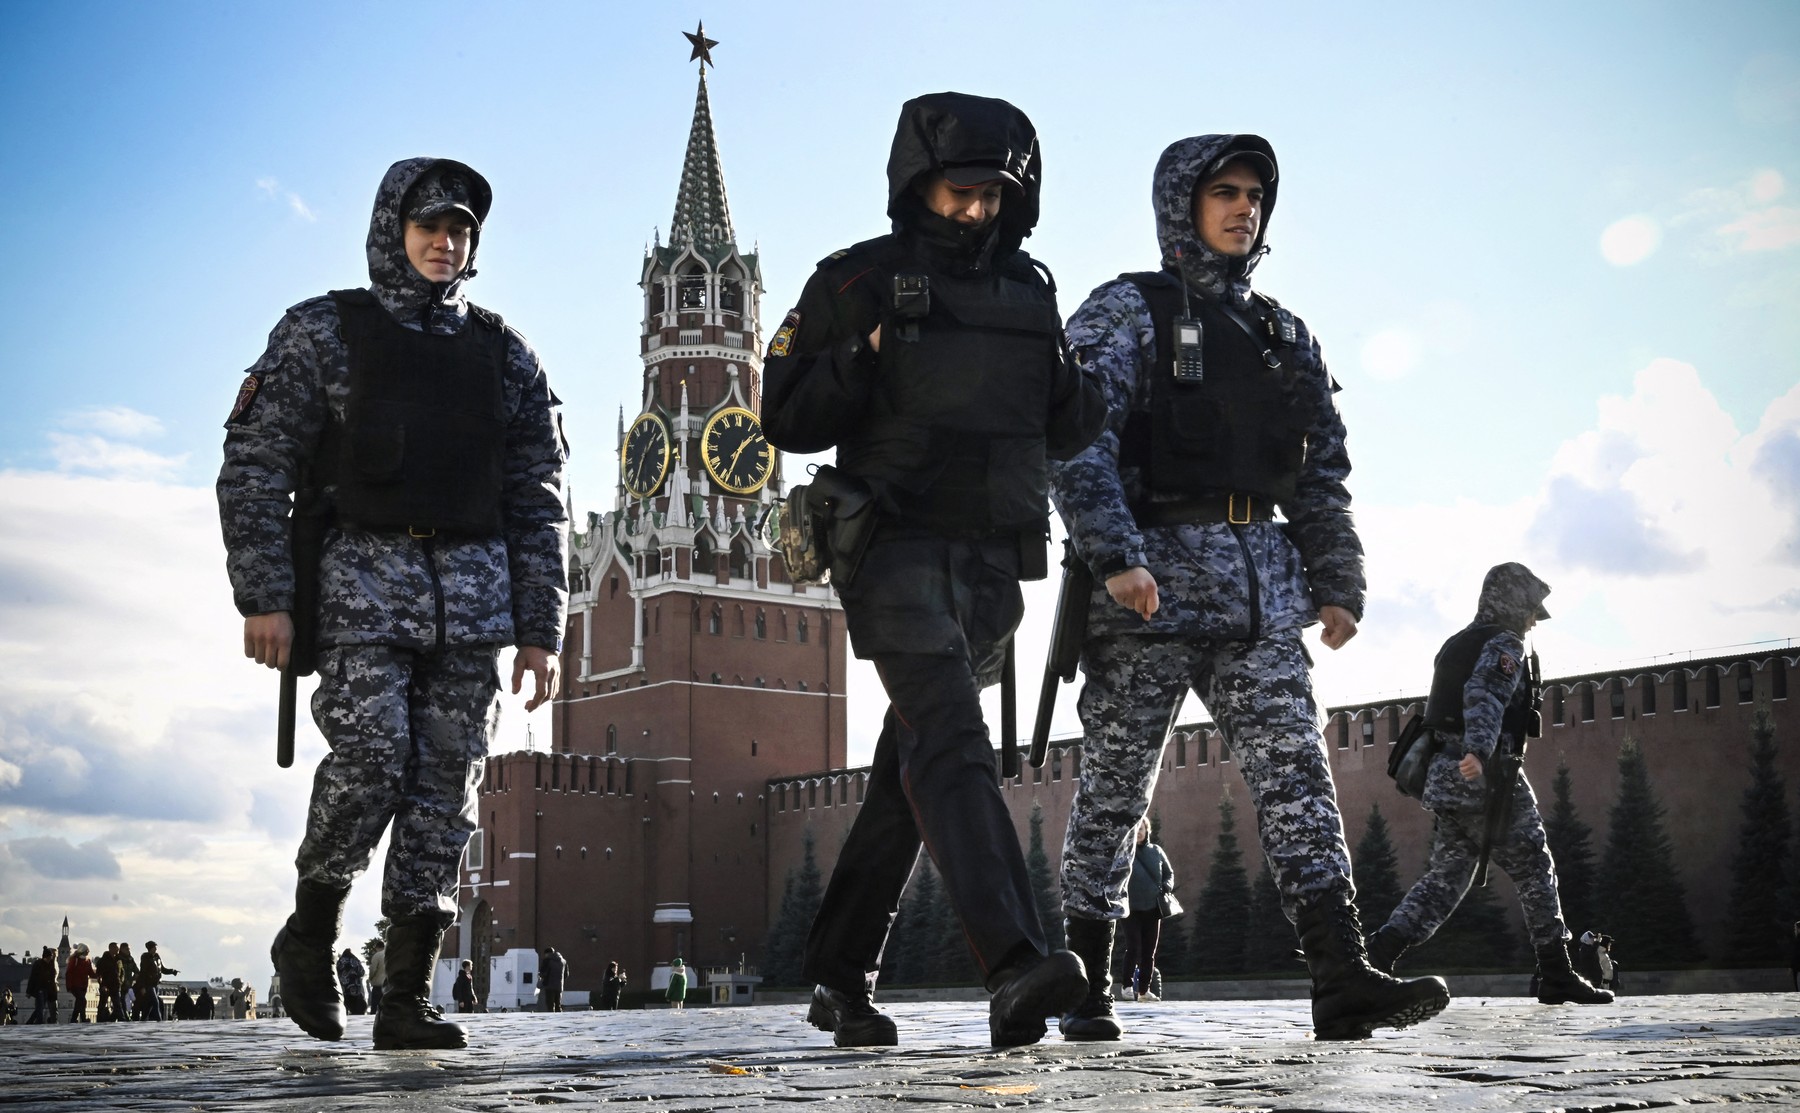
x=1385, y=948
x=851, y=1018
x=1350, y=998
x=1030, y=988
x=407, y=1020
x=303, y=960
x=1559, y=984
x=1093, y=1019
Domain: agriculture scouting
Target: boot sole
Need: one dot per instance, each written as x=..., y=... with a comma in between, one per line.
x=1362, y=1027
x=1114, y=1030
x=421, y=1045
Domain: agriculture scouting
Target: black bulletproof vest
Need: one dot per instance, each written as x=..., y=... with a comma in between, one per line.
x=1450, y=673
x=1241, y=429
x=957, y=429
x=424, y=434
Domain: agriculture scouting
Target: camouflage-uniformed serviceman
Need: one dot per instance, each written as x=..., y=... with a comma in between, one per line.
x=1480, y=697
x=430, y=428
x=1220, y=412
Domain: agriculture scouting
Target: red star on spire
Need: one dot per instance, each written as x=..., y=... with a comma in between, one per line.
x=702, y=45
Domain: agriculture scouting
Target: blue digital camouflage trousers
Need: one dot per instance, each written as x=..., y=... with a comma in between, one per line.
x=409, y=733
x=1523, y=853
x=1260, y=695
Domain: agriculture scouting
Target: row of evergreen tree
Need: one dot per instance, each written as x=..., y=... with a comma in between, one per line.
x=1235, y=925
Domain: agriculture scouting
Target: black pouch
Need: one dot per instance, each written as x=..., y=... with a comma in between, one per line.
x=847, y=504
x=825, y=527
x=1410, y=762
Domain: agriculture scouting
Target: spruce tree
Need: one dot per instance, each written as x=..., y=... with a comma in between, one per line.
x=800, y=896
x=1571, y=845
x=1642, y=903
x=1043, y=882
x=1377, y=873
x=1269, y=948
x=947, y=958
x=781, y=961
x=1757, y=927
x=1222, y=925
x=909, y=943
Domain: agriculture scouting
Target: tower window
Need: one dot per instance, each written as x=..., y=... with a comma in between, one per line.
x=1616, y=697
x=1680, y=697
x=1712, y=686
x=716, y=623
x=1647, y=699
x=762, y=625
x=1587, y=703
x=692, y=291
x=1746, y=684
x=1559, y=701
x=800, y=630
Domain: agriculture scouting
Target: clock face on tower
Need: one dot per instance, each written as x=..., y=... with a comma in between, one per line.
x=644, y=461
x=737, y=457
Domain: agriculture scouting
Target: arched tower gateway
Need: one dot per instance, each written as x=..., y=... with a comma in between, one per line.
x=693, y=671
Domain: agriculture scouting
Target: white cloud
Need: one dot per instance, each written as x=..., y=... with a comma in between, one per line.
x=1769, y=229
x=121, y=422
x=271, y=188
x=1630, y=240
x=1766, y=185
x=1663, y=528
x=100, y=456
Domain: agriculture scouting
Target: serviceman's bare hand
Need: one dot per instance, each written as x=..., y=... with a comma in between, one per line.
x=1469, y=767
x=268, y=638
x=1135, y=590
x=546, y=669
x=1340, y=626
x=875, y=339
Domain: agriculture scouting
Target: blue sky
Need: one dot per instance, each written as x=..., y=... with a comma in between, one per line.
x=1552, y=251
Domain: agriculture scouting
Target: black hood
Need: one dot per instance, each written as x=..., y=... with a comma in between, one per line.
x=1183, y=166
x=947, y=130
x=400, y=288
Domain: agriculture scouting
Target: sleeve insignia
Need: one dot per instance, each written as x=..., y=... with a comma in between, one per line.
x=1508, y=664
x=246, y=397
x=783, y=343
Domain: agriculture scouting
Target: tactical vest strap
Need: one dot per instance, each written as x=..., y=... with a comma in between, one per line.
x=1451, y=670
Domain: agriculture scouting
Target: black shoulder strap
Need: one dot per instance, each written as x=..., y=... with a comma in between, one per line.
x=1161, y=291
x=357, y=297
x=487, y=317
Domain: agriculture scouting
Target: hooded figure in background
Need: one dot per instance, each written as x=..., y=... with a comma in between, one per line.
x=931, y=359
x=1484, y=697
x=422, y=430
x=1213, y=514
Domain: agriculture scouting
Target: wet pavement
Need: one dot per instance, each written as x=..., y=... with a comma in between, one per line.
x=1483, y=1053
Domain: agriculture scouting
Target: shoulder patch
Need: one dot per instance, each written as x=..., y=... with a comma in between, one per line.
x=246, y=397
x=783, y=341
x=1508, y=664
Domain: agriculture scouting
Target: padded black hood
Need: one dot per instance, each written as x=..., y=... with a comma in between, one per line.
x=941, y=130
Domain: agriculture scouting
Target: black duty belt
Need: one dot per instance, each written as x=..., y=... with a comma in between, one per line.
x=1236, y=509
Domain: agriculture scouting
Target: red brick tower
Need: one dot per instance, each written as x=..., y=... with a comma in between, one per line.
x=693, y=671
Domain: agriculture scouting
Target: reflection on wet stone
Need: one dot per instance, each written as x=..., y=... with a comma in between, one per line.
x=1483, y=1053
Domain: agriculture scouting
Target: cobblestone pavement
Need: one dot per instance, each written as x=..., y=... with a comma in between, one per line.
x=1481, y=1054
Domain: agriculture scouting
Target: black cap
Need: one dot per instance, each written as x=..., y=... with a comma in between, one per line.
x=1265, y=169
x=976, y=174
x=441, y=190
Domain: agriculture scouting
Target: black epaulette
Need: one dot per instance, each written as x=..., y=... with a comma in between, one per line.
x=487, y=317
x=870, y=249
